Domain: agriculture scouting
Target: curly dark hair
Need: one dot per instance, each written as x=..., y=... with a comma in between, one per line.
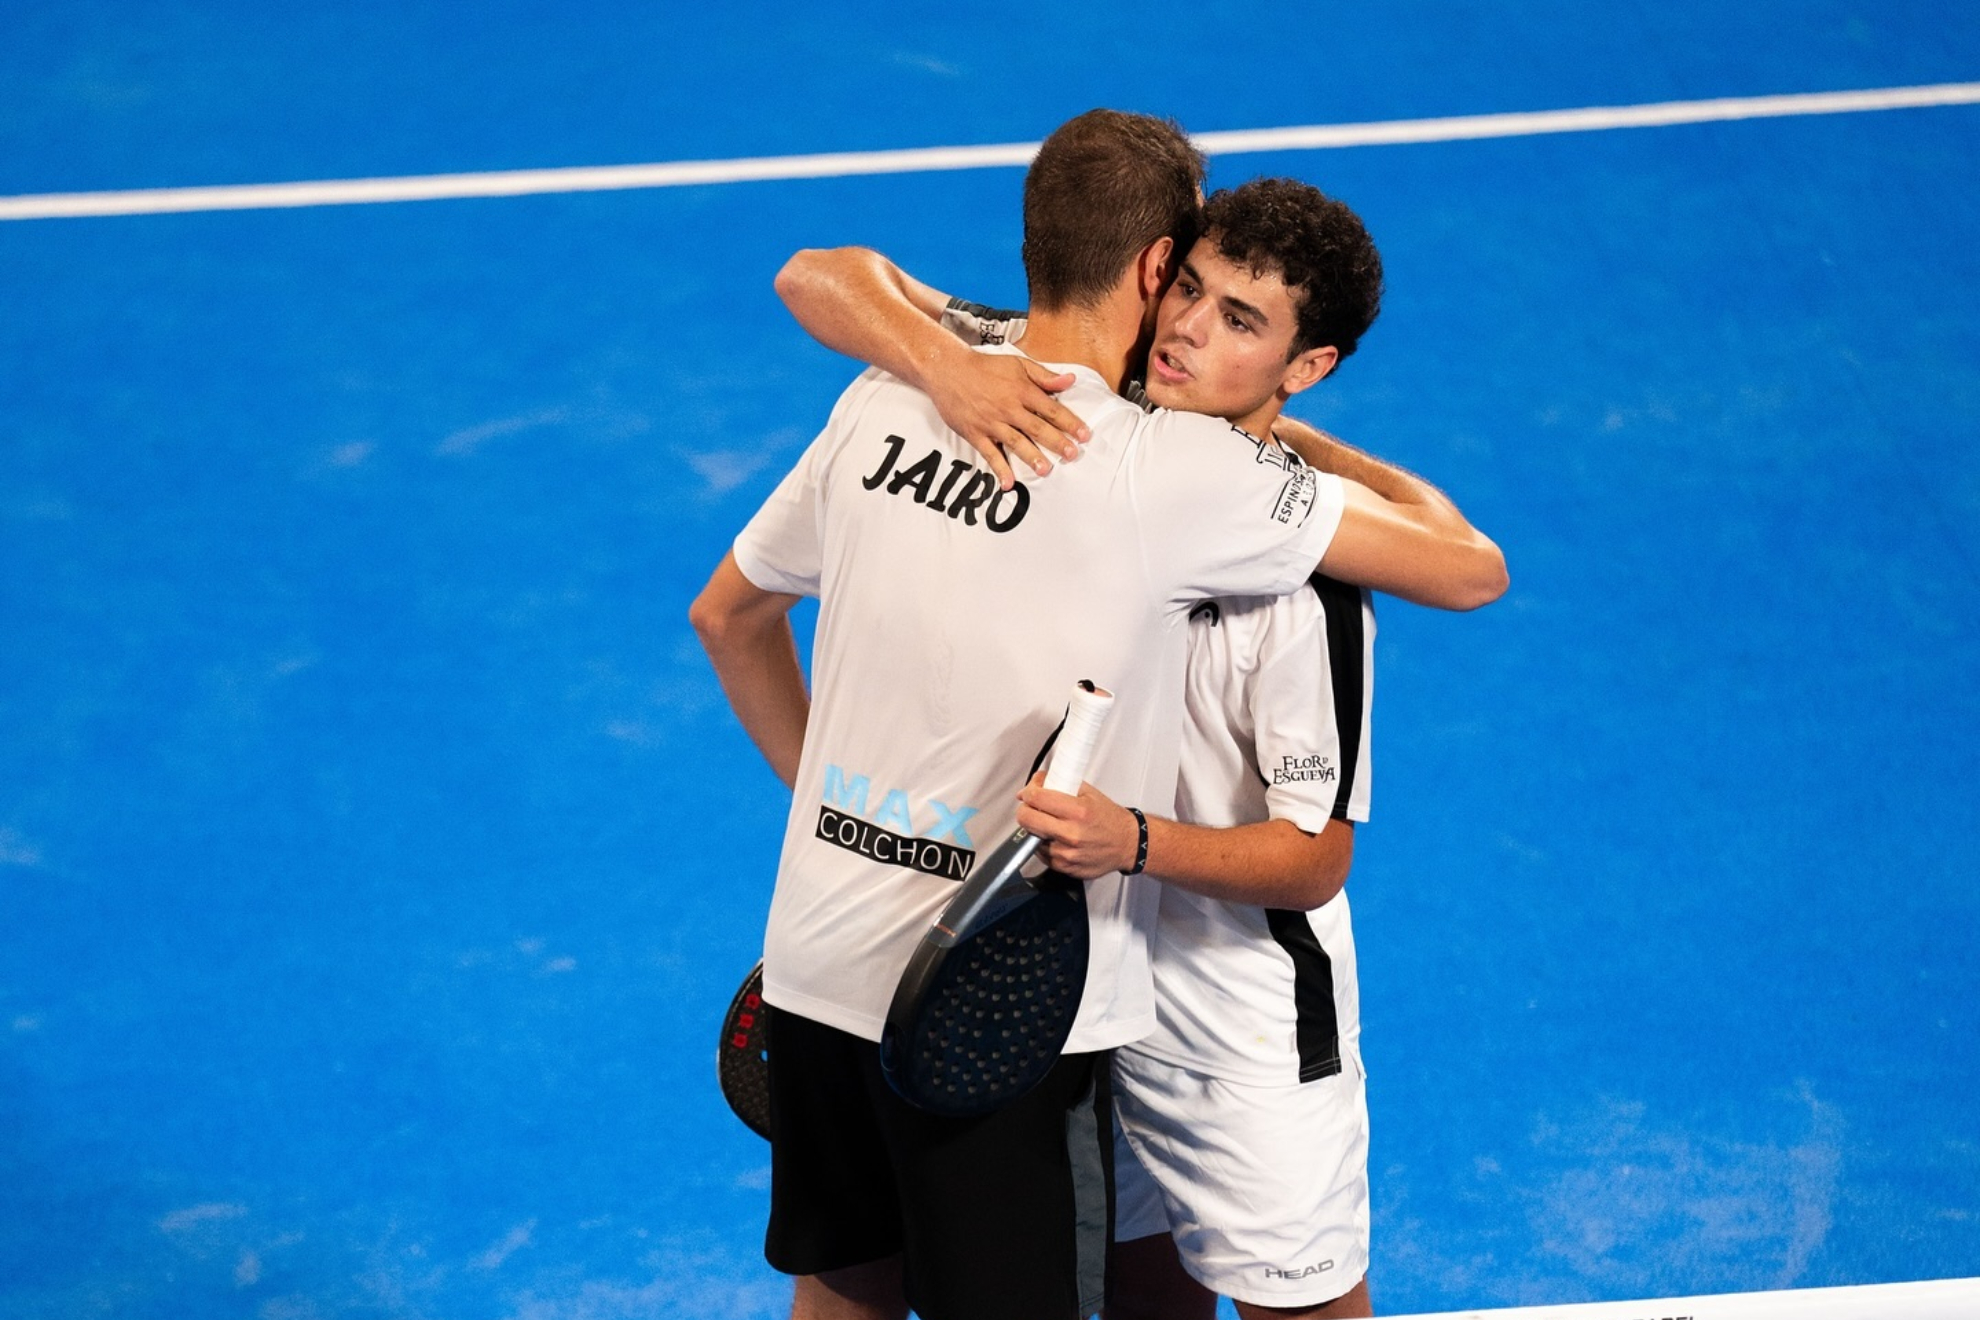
x=1104, y=186
x=1315, y=244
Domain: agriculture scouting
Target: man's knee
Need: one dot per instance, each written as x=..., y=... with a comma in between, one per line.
x=858, y=1292
x=1148, y=1282
x=1353, y=1303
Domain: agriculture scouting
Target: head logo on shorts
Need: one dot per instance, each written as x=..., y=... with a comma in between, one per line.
x=1298, y=1271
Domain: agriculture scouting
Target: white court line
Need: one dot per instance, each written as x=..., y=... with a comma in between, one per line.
x=674, y=174
x=1945, y=1299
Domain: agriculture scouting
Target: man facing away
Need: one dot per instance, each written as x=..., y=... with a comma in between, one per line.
x=1243, y=1114
x=954, y=617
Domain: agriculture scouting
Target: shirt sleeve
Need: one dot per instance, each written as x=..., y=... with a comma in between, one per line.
x=782, y=547
x=1310, y=707
x=1226, y=515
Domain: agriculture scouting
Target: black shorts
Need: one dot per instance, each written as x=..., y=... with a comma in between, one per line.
x=1005, y=1217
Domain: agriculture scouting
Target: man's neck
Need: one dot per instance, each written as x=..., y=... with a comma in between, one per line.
x=1107, y=338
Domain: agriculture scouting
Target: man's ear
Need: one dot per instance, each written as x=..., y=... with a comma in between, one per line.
x=1156, y=267
x=1309, y=369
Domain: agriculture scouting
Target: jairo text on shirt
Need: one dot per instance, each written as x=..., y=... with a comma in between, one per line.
x=1002, y=509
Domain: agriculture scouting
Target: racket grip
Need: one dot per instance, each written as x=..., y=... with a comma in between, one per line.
x=1074, y=751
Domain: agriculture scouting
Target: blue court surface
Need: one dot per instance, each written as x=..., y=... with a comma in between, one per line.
x=377, y=853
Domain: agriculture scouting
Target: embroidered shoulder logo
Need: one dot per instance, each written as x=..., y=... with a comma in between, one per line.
x=1303, y=770
x=1295, y=503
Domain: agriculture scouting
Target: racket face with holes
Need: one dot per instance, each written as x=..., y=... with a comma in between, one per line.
x=976, y=1024
x=742, y=1060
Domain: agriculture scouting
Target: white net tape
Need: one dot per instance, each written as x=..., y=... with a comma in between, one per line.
x=1946, y=1299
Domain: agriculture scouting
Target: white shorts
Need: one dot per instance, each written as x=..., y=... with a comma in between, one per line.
x=1265, y=1188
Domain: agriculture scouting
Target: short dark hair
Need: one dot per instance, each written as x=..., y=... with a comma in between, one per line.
x=1312, y=242
x=1104, y=186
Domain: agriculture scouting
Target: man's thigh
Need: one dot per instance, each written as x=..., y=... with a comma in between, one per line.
x=1001, y=1216
x=1150, y=1283
x=1265, y=1187
x=1010, y=1214
x=833, y=1202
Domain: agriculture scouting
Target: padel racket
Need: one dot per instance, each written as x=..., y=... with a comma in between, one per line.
x=989, y=997
x=742, y=1060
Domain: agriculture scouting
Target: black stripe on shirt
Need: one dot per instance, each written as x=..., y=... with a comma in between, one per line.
x=1318, y=1030
x=1347, y=646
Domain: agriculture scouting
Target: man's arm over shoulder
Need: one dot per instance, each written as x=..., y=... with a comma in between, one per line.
x=857, y=302
x=747, y=634
x=1398, y=533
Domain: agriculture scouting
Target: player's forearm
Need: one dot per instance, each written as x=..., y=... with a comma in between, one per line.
x=747, y=635
x=1400, y=533
x=855, y=301
x=764, y=683
x=1397, y=485
x=1414, y=551
x=1270, y=864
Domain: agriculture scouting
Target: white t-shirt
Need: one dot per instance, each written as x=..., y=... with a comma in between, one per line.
x=954, y=621
x=1279, y=698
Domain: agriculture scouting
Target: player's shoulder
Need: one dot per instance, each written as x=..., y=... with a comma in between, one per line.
x=878, y=387
x=877, y=402
x=1213, y=433
x=1261, y=622
x=1110, y=416
x=1325, y=616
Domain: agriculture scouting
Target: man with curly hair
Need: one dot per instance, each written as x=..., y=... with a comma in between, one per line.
x=1243, y=1168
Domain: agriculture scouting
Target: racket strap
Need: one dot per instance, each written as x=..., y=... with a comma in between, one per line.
x=1045, y=748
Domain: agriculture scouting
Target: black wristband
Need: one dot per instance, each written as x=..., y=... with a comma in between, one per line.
x=1140, y=843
